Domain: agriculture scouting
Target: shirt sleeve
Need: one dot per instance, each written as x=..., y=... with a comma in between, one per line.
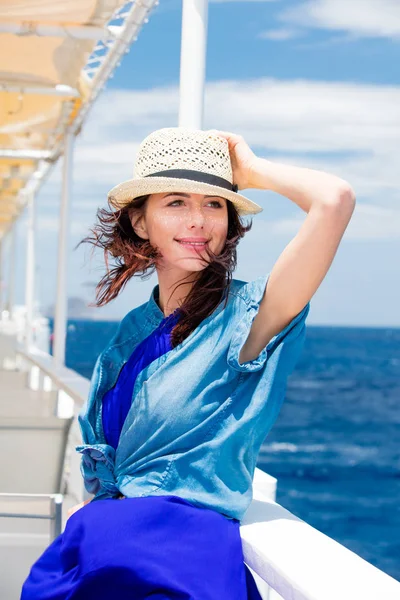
x=249, y=299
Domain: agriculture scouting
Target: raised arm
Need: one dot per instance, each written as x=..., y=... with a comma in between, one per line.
x=303, y=264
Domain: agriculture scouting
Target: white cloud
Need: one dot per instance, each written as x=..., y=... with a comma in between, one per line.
x=368, y=222
x=299, y=115
x=352, y=130
x=363, y=18
x=373, y=223
x=278, y=117
x=308, y=116
x=279, y=35
x=220, y=1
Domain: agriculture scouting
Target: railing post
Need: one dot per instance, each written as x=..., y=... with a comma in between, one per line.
x=56, y=516
x=193, y=63
x=30, y=270
x=1, y=278
x=60, y=317
x=11, y=273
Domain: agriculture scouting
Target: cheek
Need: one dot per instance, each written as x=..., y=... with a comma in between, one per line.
x=219, y=227
x=164, y=227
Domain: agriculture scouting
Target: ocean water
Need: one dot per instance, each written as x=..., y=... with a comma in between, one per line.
x=335, y=447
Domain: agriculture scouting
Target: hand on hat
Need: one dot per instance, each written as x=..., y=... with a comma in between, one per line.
x=242, y=158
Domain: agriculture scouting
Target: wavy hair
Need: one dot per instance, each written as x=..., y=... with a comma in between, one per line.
x=133, y=256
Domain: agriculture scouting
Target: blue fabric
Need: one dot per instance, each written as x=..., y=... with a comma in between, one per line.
x=199, y=417
x=158, y=546
x=117, y=401
x=161, y=547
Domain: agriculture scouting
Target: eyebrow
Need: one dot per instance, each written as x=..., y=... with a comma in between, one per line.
x=188, y=195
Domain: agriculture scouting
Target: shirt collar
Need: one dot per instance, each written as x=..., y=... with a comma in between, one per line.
x=153, y=313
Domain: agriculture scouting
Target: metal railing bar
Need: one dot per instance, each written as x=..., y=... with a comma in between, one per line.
x=27, y=516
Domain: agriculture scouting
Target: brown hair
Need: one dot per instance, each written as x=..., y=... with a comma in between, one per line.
x=134, y=256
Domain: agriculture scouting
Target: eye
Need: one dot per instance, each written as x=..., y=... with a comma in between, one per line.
x=218, y=204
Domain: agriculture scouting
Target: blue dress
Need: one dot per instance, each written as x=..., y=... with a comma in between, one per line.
x=163, y=547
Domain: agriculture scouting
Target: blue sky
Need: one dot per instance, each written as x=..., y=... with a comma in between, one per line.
x=314, y=84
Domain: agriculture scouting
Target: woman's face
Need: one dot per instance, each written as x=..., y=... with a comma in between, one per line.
x=172, y=216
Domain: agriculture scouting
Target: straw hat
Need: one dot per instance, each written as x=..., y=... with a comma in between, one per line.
x=178, y=159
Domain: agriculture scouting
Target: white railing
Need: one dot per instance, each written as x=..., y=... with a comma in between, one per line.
x=72, y=390
x=293, y=558
x=34, y=506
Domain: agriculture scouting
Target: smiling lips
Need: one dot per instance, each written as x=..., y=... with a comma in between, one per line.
x=201, y=240
x=193, y=244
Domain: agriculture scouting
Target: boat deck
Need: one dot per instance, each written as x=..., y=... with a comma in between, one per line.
x=32, y=449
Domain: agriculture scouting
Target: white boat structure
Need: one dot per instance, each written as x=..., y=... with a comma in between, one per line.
x=55, y=59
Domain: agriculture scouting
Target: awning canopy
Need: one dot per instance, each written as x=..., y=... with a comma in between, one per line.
x=55, y=55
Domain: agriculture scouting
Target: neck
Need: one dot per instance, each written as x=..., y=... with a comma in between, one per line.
x=169, y=298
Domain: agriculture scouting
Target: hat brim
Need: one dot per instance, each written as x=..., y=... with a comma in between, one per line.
x=123, y=193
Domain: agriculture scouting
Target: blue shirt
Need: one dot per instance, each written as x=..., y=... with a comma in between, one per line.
x=199, y=416
x=117, y=401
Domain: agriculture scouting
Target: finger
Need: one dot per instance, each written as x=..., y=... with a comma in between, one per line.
x=233, y=139
x=224, y=134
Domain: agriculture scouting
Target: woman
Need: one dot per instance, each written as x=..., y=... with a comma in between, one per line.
x=184, y=395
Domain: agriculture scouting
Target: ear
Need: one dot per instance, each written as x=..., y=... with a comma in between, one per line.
x=138, y=224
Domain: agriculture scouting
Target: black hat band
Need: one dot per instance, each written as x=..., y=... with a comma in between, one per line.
x=197, y=176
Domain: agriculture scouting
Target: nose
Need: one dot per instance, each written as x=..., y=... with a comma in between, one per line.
x=196, y=217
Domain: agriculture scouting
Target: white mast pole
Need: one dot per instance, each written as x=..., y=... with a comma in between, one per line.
x=60, y=317
x=193, y=63
x=30, y=270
